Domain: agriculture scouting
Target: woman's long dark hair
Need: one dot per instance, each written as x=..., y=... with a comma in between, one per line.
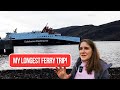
x=94, y=62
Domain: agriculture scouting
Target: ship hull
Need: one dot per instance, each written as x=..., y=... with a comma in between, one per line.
x=35, y=42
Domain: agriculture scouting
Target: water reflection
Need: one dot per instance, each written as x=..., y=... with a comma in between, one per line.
x=109, y=51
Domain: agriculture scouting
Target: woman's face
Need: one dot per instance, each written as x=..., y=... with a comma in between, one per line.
x=85, y=51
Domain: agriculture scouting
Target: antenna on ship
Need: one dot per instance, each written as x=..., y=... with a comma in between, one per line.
x=46, y=24
x=15, y=31
x=45, y=28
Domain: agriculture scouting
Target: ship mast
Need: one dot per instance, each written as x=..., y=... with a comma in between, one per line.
x=15, y=31
x=48, y=29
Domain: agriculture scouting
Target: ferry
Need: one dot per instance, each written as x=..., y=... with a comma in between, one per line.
x=45, y=37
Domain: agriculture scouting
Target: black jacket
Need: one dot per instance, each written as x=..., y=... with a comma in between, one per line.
x=104, y=74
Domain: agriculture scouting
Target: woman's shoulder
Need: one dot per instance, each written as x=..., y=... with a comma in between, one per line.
x=105, y=64
x=78, y=62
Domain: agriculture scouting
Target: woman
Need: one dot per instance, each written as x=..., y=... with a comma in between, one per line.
x=88, y=66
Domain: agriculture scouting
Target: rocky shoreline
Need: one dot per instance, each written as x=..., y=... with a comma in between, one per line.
x=44, y=74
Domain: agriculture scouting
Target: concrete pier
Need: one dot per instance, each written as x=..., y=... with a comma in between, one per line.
x=6, y=47
x=1, y=47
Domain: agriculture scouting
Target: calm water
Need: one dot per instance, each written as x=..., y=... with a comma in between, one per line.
x=109, y=52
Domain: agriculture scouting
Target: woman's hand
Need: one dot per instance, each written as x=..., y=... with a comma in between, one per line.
x=61, y=72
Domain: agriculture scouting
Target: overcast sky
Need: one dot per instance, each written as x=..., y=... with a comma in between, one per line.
x=26, y=21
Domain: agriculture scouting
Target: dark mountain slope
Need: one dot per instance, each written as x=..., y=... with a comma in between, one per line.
x=105, y=32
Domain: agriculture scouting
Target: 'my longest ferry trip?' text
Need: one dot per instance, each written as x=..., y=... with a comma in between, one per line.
x=39, y=60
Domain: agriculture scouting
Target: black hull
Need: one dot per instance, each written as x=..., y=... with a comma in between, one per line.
x=36, y=42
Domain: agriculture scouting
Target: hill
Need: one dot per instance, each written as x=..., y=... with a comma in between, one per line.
x=105, y=32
